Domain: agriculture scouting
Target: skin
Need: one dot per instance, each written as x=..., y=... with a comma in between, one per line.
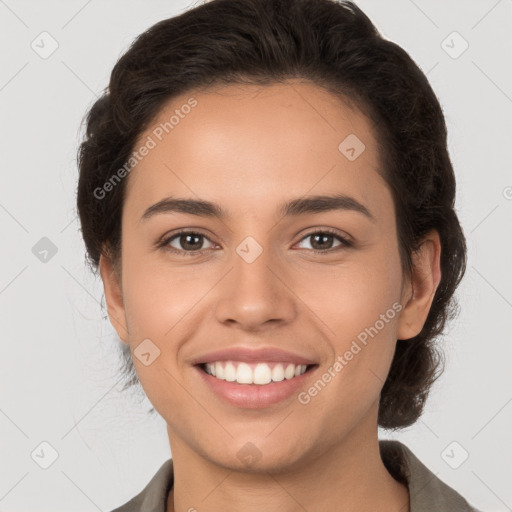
x=249, y=149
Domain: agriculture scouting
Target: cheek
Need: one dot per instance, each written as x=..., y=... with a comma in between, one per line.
x=156, y=294
x=160, y=302
x=359, y=303
x=157, y=301
x=351, y=296
x=164, y=304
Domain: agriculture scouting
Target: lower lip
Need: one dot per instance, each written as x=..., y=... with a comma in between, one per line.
x=253, y=396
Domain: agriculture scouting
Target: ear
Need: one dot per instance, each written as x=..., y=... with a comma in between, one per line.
x=114, y=297
x=419, y=290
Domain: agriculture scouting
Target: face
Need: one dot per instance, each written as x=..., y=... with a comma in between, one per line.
x=322, y=281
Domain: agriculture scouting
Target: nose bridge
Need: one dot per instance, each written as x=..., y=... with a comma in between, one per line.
x=254, y=291
x=252, y=261
x=252, y=275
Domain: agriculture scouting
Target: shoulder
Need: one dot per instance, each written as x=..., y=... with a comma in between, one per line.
x=427, y=492
x=153, y=498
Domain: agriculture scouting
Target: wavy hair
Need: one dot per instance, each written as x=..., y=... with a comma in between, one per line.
x=334, y=45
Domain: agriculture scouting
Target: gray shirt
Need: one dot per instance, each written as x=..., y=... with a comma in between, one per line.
x=427, y=492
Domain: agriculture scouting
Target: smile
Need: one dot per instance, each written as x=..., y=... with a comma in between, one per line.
x=260, y=373
x=254, y=385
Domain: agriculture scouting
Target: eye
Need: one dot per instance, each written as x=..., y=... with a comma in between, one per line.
x=322, y=241
x=189, y=242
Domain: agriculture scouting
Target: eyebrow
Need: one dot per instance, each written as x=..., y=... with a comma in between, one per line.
x=300, y=206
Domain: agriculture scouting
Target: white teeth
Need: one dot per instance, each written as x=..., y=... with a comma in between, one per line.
x=278, y=373
x=262, y=374
x=219, y=370
x=230, y=372
x=289, y=373
x=243, y=374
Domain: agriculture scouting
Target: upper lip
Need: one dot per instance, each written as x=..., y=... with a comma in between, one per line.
x=253, y=355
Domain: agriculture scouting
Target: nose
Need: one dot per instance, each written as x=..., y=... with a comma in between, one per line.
x=255, y=293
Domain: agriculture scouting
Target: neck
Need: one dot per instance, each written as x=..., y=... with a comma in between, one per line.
x=345, y=477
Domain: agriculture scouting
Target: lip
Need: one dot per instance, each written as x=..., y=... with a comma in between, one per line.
x=247, y=355
x=254, y=396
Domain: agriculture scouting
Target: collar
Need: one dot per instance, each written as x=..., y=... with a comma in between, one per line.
x=427, y=492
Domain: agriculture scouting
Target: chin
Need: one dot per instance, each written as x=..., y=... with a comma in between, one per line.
x=258, y=455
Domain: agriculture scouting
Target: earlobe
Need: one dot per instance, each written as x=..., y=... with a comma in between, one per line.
x=419, y=293
x=113, y=297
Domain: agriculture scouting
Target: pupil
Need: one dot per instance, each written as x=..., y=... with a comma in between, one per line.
x=187, y=237
x=323, y=237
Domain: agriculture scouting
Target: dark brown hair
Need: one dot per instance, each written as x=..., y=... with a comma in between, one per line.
x=333, y=45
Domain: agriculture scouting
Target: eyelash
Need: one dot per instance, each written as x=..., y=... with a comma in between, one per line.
x=164, y=243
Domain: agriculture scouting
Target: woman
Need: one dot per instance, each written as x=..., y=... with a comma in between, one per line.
x=266, y=191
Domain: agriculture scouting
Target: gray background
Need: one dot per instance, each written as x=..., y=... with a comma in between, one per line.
x=59, y=382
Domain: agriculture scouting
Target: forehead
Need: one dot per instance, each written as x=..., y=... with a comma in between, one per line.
x=248, y=146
